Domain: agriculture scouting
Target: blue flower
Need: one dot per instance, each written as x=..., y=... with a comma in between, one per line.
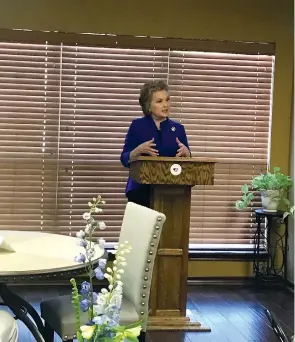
x=85, y=288
x=102, y=263
x=98, y=320
x=99, y=273
x=112, y=323
x=85, y=304
x=80, y=258
x=82, y=243
x=94, y=297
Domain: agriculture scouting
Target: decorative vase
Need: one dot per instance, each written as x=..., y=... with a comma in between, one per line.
x=270, y=200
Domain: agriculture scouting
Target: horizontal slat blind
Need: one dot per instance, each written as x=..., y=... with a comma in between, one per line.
x=224, y=101
x=65, y=111
x=99, y=99
x=29, y=95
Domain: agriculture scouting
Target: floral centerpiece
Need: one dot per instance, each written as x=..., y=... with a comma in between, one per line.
x=103, y=308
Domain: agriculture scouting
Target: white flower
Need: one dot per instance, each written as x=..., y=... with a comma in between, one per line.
x=98, y=309
x=115, y=262
x=101, y=300
x=80, y=234
x=94, y=199
x=110, y=287
x=121, y=271
x=118, y=288
x=116, y=300
x=101, y=225
x=109, y=270
x=123, y=263
x=87, y=331
x=104, y=291
x=119, y=283
x=118, y=276
x=86, y=216
x=108, y=277
x=115, y=268
x=89, y=204
x=98, y=210
x=101, y=243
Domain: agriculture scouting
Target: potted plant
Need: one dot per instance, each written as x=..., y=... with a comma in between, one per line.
x=273, y=188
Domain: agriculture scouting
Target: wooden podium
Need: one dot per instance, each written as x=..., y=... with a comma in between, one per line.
x=171, y=180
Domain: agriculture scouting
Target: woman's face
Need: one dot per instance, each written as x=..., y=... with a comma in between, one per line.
x=160, y=104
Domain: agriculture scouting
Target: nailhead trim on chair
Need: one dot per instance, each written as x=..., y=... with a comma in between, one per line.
x=151, y=252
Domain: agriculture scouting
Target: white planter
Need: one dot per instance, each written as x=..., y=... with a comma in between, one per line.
x=270, y=200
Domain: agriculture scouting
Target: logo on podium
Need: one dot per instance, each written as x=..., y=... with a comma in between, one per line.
x=175, y=169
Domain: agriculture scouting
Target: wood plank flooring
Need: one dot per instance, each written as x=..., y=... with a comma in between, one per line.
x=235, y=314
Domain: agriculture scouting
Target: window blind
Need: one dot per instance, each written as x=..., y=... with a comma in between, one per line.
x=29, y=95
x=224, y=102
x=65, y=110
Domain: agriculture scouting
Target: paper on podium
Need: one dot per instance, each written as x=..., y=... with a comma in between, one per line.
x=5, y=246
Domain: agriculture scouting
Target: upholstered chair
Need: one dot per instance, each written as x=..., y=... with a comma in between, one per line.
x=142, y=228
x=8, y=327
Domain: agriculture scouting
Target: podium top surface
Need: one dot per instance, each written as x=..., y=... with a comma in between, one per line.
x=176, y=159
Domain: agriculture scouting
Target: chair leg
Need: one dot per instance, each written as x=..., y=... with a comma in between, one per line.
x=48, y=333
x=141, y=337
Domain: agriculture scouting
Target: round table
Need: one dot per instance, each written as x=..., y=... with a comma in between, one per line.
x=37, y=255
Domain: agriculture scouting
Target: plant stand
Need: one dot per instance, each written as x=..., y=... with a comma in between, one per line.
x=274, y=235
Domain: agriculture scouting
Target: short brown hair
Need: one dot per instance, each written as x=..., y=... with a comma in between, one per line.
x=147, y=91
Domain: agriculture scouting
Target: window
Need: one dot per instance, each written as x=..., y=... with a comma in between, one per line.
x=65, y=110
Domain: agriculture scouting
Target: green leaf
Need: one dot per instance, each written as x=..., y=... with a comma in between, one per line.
x=286, y=201
x=131, y=339
x=132, y=325
x=245, y=188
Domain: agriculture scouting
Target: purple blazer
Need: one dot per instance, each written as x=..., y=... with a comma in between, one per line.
x=144, y=129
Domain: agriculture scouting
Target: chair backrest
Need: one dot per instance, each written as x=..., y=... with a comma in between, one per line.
x=142, y=228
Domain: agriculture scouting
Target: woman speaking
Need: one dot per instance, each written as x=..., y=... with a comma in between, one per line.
x=154, y=134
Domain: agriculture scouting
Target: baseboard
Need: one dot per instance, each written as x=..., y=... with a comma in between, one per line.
x=240, y=281
x=221, y=281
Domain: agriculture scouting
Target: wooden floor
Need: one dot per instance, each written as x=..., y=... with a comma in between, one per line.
x=235, y=314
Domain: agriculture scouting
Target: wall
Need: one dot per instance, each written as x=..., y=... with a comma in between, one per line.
x=290, y=254
x=251, y=20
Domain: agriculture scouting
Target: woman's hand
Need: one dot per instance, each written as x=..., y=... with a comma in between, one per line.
x=182, y=151
x=145, y=148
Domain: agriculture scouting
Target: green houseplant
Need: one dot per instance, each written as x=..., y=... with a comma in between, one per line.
x=273, y=187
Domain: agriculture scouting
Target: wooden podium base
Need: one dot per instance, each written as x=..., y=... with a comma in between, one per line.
x=175, y=324
x=171, y=195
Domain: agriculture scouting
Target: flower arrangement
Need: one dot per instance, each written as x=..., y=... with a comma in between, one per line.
x=103, y=308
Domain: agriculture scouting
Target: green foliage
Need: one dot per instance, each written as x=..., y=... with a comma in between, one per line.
x=272, y=181
x=267, y=181
x=76, y=304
